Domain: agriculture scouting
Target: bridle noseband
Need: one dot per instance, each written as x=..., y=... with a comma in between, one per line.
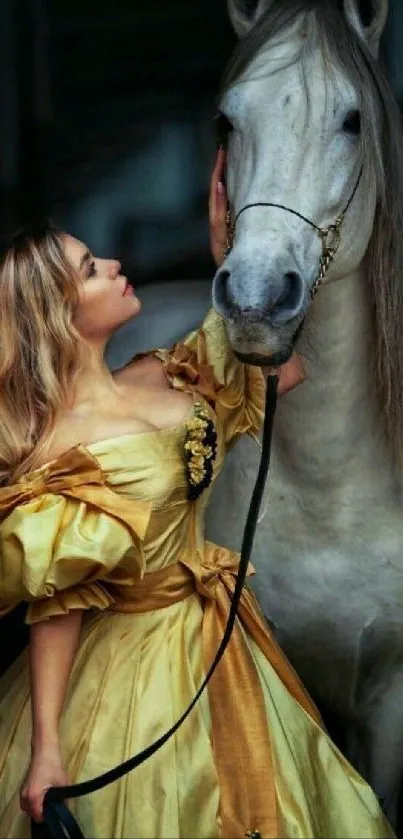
x=330, y=236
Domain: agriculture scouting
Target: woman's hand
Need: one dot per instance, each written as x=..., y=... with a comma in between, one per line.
x=45, y=770
x=292, y=373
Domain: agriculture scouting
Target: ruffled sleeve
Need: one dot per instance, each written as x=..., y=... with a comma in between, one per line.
x=63, y=533
x=206, y=362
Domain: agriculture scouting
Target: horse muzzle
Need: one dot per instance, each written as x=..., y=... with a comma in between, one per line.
x=263, y=311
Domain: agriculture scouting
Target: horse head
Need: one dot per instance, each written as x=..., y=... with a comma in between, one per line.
x=298, y=114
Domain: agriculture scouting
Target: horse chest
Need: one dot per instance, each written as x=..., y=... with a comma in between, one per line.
x=328, y=572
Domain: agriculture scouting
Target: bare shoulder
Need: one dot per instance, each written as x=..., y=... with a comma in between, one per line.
x=69, y=433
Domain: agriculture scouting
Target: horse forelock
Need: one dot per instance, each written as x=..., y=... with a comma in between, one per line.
x=344, y=51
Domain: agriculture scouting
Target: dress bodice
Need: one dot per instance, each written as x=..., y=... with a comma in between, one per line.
x=105, y=514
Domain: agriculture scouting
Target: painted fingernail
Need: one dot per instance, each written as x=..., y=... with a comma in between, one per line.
x=220, y=188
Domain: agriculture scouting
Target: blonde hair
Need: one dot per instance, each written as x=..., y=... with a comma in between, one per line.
x=39, y=345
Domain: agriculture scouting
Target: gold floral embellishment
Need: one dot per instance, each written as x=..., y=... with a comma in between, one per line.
x=200, y=451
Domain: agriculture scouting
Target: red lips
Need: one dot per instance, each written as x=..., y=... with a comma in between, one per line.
x=128, y=290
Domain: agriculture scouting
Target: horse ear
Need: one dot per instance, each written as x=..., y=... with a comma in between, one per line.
x=244, y=14
x=368, y=17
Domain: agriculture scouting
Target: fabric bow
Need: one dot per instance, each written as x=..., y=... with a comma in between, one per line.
x=183, y=361
x=77, y=474
x=216, y=567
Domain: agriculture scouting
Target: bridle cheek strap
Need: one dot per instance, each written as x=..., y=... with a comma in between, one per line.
x=330, y=236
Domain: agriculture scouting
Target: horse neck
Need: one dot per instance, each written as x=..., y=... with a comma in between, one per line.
x=328, y=433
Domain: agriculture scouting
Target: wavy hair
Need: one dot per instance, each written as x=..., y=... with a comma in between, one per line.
x=39, y=345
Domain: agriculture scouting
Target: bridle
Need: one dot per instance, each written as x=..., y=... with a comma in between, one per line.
x=330, y=236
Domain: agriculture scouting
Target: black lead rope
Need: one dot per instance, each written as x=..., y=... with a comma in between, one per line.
x=59, y=822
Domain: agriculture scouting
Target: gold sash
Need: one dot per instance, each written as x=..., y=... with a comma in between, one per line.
x=240, y=728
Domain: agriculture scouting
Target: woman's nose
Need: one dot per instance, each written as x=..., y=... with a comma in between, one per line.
x=116, y=266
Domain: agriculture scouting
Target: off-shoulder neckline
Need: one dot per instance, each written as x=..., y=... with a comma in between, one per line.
x=163, y=355
x=181, y=427
x=131, y=436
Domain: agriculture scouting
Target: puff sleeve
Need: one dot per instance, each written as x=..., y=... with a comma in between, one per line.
x=58, y=549
x=207, y=361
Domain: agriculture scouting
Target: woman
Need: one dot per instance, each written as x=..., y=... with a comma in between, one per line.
x=105, y=480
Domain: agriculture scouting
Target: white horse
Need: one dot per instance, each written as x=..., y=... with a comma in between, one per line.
x=305, y=108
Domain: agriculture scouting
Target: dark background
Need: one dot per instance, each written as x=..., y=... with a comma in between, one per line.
x=107, y=124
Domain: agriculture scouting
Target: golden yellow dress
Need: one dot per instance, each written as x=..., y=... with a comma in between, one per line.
x=109, y=528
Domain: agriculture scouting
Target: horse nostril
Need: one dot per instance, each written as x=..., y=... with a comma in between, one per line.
x=278, y=299
x=222, y=299
x=288, y=302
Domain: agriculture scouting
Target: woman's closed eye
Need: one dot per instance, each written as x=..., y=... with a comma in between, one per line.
x=91, y=269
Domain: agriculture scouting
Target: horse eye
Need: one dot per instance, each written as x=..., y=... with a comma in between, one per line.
x=223, y=128
x=352, y=123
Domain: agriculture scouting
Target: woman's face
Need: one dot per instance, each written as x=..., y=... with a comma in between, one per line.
x=106, y=299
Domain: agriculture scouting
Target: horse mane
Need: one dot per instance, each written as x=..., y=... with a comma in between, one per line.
x=382, y=146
